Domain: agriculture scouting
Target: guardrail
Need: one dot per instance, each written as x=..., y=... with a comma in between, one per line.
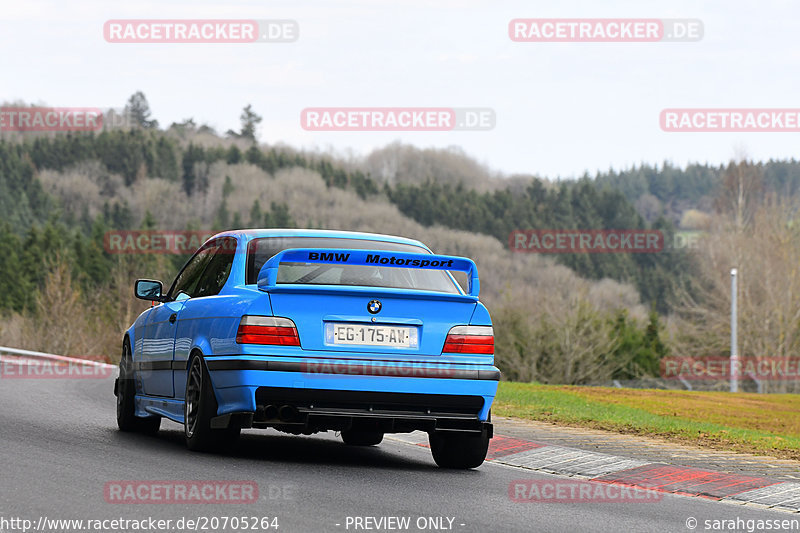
x=49, y=356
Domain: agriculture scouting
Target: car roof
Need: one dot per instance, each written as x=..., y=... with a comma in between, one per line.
x=250, y=234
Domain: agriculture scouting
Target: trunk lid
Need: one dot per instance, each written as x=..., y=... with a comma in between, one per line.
x=383, y=303
x=337, y=319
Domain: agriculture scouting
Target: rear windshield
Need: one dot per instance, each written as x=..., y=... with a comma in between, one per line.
x=260, y=250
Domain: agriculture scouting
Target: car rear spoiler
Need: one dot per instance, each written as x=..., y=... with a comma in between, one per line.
x=268, y=275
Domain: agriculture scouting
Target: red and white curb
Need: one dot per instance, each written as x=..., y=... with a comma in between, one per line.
x=16, y=364
x=29, y=357
x=613, y=469
x=61, y=361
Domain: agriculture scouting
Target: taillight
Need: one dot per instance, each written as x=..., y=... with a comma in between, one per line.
x=267, y=330
x=470, y=339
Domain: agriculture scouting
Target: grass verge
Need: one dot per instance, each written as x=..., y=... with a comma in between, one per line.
x=765, y=424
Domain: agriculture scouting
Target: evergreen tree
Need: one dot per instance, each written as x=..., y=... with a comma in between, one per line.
x=250, y=120
x=138, y=110
x=193, y=154
x=256, y=216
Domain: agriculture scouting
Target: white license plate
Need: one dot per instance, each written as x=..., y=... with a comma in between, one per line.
x=370, y=335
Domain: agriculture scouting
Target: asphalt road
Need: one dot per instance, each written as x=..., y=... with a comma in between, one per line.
x=59, y=447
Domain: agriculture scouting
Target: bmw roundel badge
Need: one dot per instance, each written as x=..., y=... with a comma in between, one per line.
x=374, y=306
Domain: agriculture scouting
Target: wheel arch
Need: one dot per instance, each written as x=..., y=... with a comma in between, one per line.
x=193, y=354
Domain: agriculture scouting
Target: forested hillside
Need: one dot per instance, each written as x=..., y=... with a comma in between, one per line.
x=138, y=155
x=670, y=191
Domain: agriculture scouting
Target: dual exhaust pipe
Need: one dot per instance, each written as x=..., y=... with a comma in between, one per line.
x=284, y=413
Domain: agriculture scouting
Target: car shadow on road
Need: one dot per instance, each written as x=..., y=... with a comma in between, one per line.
x=271, y=446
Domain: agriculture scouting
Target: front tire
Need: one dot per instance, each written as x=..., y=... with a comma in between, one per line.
x=125, y=391
x=459, y=450
x=200, y=406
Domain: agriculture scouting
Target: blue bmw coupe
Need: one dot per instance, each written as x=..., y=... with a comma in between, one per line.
x=306, y=331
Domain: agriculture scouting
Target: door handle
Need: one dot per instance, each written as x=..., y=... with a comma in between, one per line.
x=172, y=318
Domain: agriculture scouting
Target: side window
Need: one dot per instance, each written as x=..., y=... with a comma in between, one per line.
x=187, y=281
x=218, y=269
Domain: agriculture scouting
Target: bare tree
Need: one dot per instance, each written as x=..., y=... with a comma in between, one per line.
x=767, y=252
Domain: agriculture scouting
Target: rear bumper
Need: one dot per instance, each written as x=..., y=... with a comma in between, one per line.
x=400, y=396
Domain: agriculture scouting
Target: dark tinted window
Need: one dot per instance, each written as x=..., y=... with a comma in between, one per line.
x=189, y=278
x=218, y=269
x=260, y=250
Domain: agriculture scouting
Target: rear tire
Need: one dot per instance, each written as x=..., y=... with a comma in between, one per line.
x=200, y=406
x=362, y=437
x=126, y=403
x=459, y=450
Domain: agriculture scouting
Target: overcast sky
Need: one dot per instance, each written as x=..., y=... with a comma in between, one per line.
x=562, y=108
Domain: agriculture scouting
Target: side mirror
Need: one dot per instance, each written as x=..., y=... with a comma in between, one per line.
x=148, y=289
